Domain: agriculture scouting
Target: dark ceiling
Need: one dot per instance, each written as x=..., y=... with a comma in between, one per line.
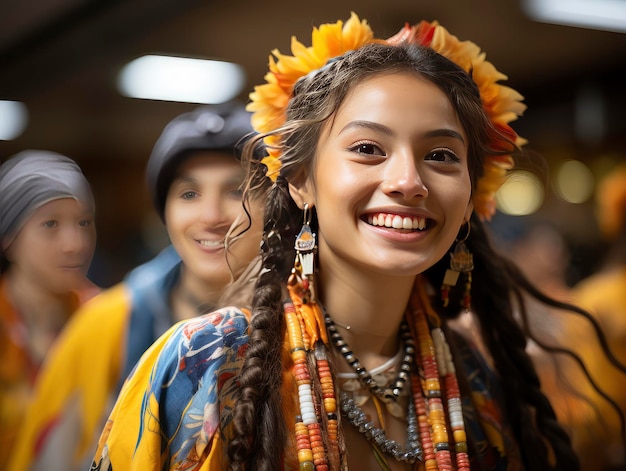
x=61, y=57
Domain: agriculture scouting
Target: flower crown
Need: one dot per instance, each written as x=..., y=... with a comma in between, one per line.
x=501, y=103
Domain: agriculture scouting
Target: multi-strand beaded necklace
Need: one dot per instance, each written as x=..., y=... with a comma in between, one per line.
x=434, y=437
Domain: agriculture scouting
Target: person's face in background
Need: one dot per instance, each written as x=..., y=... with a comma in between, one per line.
x=202, y=207
x=55, y=246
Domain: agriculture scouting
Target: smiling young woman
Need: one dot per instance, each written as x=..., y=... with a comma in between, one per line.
x=384, y=156
x=202, y=209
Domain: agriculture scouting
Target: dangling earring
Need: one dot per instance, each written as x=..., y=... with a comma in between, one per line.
x=461, y=261
x=305, y=253
x=301, y=287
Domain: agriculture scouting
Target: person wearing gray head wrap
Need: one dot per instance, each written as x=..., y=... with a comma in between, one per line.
x=33, y=178
x=48, y=238
x=193, y=175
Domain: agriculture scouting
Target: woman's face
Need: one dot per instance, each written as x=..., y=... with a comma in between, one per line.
x=55, y=246
x=390, y=182
x=202, y=204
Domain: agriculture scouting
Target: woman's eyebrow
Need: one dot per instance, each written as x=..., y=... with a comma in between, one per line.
x=184, y=179
x=443, y=132
x=368, y=125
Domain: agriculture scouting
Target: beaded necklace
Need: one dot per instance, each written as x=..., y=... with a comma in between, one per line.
x=434, y=361
x=312, y=454
x=388, y=395
x=391, y=363
x=436, y=431
x=383, y=374
x=378, y=438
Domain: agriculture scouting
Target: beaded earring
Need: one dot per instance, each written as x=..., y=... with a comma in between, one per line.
x=461, y=261
x=317, y=421
x=305, y=253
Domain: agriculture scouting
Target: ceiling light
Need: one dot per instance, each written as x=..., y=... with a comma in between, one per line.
x=181, y=79
x=608, y=15
x=13, y=119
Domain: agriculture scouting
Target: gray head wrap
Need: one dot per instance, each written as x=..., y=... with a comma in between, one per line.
x=32, y=178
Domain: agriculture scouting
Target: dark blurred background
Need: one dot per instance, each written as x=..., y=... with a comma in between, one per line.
x=61, y=57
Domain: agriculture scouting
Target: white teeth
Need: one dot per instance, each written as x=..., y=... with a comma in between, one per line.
x=397, y=222
x=211, y=243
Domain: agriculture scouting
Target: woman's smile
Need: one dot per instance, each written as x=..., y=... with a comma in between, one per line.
x=397, y=221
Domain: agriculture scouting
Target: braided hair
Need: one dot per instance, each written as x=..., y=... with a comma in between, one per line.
x=260, y=431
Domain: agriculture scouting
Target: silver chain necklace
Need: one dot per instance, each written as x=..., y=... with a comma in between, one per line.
x=389, y=395
x=413, y=451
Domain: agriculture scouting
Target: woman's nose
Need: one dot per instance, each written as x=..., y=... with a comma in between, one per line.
x=212, y=211
x=402, y=178
x=74, y=239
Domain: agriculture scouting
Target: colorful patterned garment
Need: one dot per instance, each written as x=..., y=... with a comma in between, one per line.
x=84, y=372
x=18, y=370
x=175, y=410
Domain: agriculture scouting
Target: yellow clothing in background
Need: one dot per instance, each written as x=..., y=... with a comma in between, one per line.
x=77, y=383
x=596, y=434
x=83, y=373
x=18, y=369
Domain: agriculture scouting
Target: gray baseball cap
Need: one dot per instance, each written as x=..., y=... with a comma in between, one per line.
x=221, y=128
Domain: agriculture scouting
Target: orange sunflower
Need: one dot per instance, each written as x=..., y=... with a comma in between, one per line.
x=269, y=101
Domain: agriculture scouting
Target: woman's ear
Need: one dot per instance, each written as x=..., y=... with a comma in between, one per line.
x=302, y=193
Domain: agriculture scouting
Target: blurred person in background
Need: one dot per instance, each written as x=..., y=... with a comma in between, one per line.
x=48, y=238
x=603, y=293
x=542, y=253
x=194, y=177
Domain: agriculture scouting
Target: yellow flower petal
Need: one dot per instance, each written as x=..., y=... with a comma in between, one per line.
x=268, y=102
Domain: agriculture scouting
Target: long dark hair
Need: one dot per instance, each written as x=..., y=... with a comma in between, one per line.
x=260, y=433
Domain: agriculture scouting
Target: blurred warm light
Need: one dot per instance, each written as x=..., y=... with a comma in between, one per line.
x=608, y=15
x=181, y=79
x=13, y=119
x=574, y=182
x=521, y=194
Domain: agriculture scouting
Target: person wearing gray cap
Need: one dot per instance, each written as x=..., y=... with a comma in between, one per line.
x=194, y=178
x=47, y=241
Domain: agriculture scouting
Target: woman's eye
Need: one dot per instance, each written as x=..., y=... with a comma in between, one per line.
x=367, y=149
x=50, y=224
x=84, y=223
x=188, y=195
x=443, y=155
